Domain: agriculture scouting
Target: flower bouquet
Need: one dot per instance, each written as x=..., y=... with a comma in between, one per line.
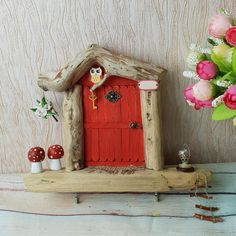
x=44, y=109
x=215, y=69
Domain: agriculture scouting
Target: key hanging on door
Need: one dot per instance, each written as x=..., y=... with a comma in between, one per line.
x=93, y=98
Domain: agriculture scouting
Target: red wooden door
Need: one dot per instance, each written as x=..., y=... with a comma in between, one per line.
x=108, y=138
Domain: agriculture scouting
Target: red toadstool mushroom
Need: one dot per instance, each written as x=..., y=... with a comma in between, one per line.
x=55, y=152
x=36, y=155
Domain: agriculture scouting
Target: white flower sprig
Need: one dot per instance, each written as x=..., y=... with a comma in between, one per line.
x=223, y=83
x=216, y=40
x=197, y=48
x=191, y=75
x=217, y=101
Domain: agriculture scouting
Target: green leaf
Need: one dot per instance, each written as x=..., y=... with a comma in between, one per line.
x=222, y=66
x=234, y=21
x=229, y=77
x=223, y=113
x=224, y=11
x=33, y=109
x=43, y=102
x=51, y=113
x=234, y=61
x=211, y=41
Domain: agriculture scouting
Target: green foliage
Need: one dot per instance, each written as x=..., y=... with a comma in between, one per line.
x=234, y=21
x=234, y=61
x=211, y=41
x=223, y=113
x=221, y=65
x=224, y=11
x=51, y=113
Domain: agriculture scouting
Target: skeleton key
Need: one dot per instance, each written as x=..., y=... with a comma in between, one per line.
x=93, y=98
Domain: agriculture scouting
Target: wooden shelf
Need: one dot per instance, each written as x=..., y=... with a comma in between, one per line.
x=93, y=180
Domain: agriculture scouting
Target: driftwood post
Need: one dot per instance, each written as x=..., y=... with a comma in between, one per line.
x=73, y=128
x=150, y=105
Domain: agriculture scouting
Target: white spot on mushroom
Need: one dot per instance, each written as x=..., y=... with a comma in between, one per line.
x=59, y=152
x=54, y=147
x=55, y=152
x=35, y=149
x=29, y=155
x=41, y=152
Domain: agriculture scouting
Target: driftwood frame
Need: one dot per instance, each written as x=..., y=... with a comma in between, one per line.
x=67, y=80
x=149, y=179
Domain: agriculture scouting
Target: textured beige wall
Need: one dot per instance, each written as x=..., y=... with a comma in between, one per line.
x=43, y=35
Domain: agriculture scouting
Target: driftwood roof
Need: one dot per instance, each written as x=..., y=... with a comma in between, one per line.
x=113, y=64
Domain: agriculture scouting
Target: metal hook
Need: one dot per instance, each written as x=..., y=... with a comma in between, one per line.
x=157, y=195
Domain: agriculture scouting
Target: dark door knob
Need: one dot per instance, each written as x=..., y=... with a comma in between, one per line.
x=133, y=125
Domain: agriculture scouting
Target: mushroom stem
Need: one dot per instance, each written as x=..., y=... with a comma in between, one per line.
x=55, y=164
x=36, y=167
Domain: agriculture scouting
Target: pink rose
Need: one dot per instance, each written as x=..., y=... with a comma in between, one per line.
x=192, y=101
x=231, y=36
x=230, y=97
x=203, y=90
x=206, y=70
x=218, y=25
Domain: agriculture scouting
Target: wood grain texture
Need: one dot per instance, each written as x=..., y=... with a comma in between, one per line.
x=28, y=213
x=142, y=180
x=38, y=36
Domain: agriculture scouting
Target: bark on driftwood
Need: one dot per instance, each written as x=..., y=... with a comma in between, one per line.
x=113, y=64
x=73, y=129
x=151, y=118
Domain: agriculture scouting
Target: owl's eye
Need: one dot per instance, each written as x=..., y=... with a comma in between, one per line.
x=92, y=71
x=98, y=71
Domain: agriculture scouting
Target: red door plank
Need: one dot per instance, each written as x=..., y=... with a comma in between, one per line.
x=125, y=145
x=91, y=145
x=109, y=145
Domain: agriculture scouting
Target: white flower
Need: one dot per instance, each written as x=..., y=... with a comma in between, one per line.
x=191, y=74
x=196, y=48
x=48, y=106
x=223, y=83
x=193, y=58
x=41, y=112
x=217, y=101
x=217, y=41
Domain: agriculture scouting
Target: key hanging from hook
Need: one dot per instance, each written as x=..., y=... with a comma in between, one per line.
x=93, y=98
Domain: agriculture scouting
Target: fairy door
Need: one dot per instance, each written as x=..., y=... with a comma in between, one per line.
x=113, y=134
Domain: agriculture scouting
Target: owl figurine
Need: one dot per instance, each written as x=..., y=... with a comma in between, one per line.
x=96, y=74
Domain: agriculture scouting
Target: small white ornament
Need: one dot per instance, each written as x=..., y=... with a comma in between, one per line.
x=148, y=85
